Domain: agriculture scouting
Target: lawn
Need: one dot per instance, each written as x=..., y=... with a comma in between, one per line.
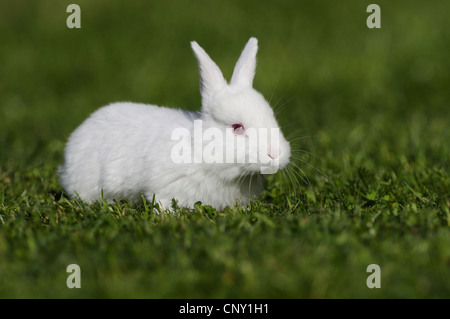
x=367, y=111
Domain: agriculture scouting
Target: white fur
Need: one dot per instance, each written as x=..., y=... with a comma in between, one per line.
x=123, y=150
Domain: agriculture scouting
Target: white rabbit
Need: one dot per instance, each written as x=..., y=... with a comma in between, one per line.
x=125, y=150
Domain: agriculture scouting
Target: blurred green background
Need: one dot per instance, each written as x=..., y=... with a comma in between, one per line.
x=373, y=100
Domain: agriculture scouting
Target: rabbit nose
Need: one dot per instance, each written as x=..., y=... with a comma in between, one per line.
x=273, y=156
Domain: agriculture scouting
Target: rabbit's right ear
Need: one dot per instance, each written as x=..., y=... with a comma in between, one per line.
x=211, y=78
x=244, y=71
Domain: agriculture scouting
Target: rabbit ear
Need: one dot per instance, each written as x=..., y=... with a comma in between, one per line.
x=244, y=71
x=211, y=78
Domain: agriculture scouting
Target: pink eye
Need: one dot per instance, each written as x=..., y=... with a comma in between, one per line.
x=238, y=129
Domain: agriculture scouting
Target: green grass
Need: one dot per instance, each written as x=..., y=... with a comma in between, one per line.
x=372, y=106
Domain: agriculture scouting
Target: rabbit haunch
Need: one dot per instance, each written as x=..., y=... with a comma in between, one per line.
x=124, y=150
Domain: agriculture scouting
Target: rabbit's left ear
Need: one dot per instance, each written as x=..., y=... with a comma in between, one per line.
x=211, y=78
x=244, y=71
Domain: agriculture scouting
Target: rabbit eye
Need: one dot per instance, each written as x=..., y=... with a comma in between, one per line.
x=238, y=129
